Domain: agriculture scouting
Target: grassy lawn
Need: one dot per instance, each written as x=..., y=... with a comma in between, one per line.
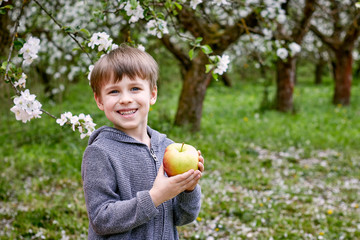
x=268, y=175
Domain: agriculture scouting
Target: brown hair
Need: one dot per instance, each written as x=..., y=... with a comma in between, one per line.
x=120, y=62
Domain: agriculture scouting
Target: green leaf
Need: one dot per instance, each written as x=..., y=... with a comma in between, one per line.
x=191, y=54
x=3, y=65
x=215, y=76
x=206, y=49
x=208, y=67
x=19, y=43
x=133, y=4
x=68, y=29
x=198, y=40
x=7, y=7
x=160, y=15
x=84, y=30
x=178, y=5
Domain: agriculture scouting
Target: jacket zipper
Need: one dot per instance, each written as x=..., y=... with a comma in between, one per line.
x=154, y=156
x=152, y=153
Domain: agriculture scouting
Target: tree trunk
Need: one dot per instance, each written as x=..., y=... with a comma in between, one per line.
x=192, y=96
x=343, y=77
x=285, y=84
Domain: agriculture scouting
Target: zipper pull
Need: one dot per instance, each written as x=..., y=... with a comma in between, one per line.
x=153, y=154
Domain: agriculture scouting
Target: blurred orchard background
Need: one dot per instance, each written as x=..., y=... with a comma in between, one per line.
x=268, y=90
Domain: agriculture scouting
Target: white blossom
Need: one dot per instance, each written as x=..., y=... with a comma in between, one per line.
x=194, y=3
x=282, y=53
x=100, y=39
x=222, y=63
x=141, y=47
x=26, y=107
x=281, y=18
x=267, y=33
x=91, y=67
x=294, y=48
x=135, y=13
x=64, y=118
x=83, y=123
x=114, y=46
x=157, y=27
x=21, y=82
x=30, y=50
x=221, y=2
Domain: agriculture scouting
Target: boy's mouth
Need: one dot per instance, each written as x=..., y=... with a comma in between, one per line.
x=127, y=112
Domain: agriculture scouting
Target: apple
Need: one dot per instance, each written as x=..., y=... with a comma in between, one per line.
x=180, y=158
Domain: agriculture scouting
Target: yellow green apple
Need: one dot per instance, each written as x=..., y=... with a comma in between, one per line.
x=180, y=158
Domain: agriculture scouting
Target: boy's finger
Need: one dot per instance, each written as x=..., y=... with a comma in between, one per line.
x=201, y=166
x=184, y=176
x=201, y=159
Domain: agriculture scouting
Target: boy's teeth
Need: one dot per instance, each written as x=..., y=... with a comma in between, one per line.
x=127, y=112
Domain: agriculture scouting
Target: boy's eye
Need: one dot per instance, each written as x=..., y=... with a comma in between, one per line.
x=113, y=91
x=135, y=89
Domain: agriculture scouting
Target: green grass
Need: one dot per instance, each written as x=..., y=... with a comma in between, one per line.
x=268, y=174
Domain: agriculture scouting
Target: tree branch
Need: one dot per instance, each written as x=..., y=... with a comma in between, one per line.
x=176, y=51
x=62, y=28
x=325, y=39
x=17, y=22
x=352, y=34
x=304, y=24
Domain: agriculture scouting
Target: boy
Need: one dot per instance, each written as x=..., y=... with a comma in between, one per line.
x=126, y=191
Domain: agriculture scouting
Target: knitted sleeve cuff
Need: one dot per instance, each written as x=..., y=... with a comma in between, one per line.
x=147, y=206
x=188, y=197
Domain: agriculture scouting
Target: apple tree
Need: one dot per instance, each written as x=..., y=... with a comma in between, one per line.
x=337, y=24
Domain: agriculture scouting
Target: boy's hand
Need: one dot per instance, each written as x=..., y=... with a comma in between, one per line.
x=201, y=169
x=166, y=188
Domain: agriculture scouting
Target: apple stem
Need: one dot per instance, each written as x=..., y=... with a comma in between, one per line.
x=182, y=147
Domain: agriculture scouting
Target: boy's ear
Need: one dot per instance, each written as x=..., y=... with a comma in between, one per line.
x=99, y=102
x=153, y=96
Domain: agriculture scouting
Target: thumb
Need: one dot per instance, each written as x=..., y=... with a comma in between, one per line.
x=161, y=170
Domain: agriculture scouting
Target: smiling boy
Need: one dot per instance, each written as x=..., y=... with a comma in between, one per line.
x=127, y=194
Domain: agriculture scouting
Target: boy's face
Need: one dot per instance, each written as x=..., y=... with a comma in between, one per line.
x=126, y=103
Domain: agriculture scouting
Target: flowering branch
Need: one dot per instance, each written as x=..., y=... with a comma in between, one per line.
x=26, y=106
x=12, y=47
x=61, y=27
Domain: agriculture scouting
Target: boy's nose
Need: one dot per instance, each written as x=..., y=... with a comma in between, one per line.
x=125, y=99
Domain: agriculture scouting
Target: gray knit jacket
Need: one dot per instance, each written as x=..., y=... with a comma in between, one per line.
x=118, y=172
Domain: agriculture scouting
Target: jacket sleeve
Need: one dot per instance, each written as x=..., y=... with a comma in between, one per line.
x=187, y=206
x=107, y=213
